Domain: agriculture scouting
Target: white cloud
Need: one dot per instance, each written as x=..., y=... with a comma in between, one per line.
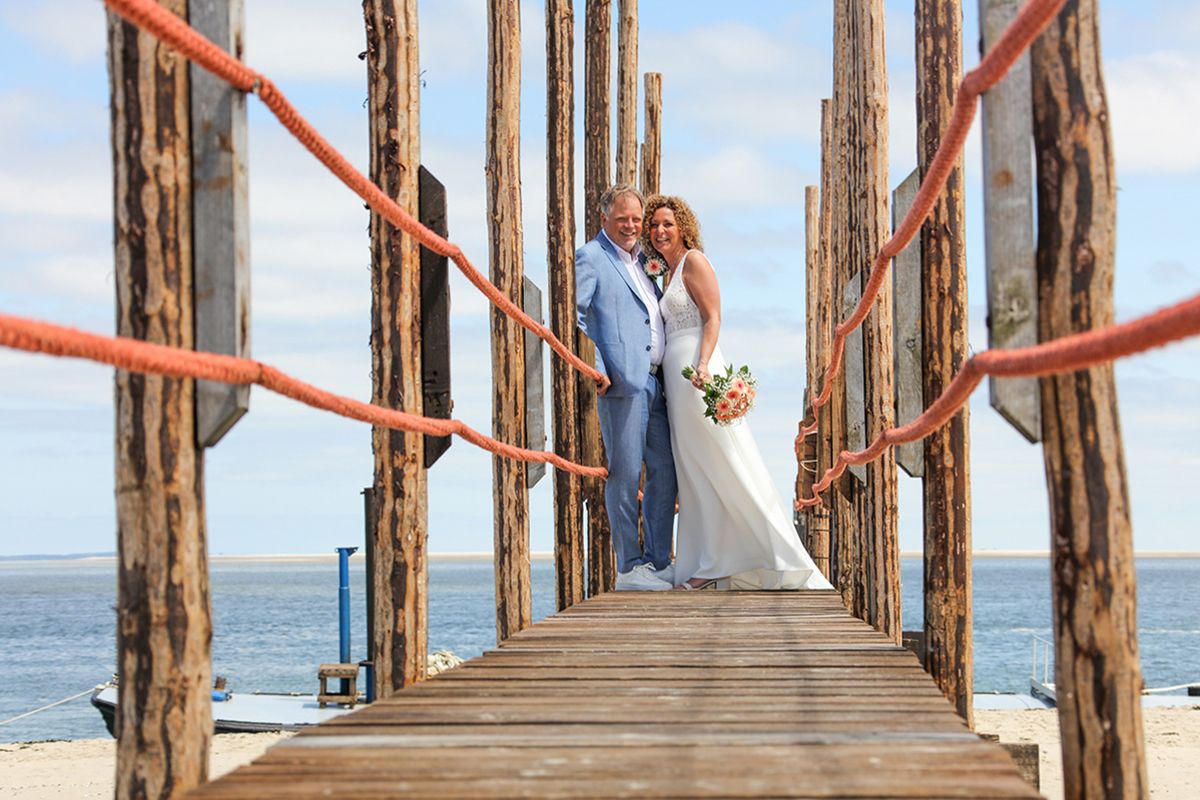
x=70, y=28
x=1155, y=102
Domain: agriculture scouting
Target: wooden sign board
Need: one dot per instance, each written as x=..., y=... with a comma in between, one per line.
x=1008, y=223
x=856, y=399
x=906, y=321
x=220, y=220
x=535, y=394
x=435, y=315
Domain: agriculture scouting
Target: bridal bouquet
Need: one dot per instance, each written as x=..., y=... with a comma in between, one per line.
x=728, y=397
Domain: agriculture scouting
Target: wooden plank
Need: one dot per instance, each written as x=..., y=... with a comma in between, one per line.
x=627, y=91
x=164, y=624
x=713, y=722
x=569, y=561
x=1097, y=671
x=1007, y=131
x=535, y=376
x=856, y=408
x=399, y=493
x=510, y=492
x=652, y=135
x=906, y=287
x=220, y=218
x=435, y=315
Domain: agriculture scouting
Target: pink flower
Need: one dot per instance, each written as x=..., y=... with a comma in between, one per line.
x=733, y=394
x=739, y=384
x=723, y=406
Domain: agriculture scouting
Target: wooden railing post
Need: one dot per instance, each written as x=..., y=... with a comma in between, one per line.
x=947, y=487
x=627, y=74
x=1097, y=672
x=399, y=499
x=823, y=541
x=597, y=173
x=510, y=492
x=560, y=262
x=164, y=626
x=652, y=135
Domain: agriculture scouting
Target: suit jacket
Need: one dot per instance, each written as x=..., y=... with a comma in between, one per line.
x=612, y=315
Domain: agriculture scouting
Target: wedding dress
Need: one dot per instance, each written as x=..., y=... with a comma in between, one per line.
x=732, y=522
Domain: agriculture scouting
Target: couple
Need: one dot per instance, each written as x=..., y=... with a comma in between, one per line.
x=732, y=523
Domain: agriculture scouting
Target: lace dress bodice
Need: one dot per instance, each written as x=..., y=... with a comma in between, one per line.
x=678, y=309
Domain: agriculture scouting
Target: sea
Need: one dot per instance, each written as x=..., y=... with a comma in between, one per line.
x=274, y=622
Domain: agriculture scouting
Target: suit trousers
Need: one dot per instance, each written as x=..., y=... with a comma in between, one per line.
x=636, y=431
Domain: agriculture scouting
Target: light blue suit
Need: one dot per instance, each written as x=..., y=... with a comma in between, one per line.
x=633, y=412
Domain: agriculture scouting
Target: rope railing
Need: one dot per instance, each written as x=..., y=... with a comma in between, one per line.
x=1066, y=354
x=174, y=31
x=1033, y=18
x=138, y=356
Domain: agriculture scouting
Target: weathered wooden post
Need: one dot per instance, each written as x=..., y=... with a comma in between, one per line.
x=627, y=74
x=164, y=627
x=806, y=472
x=1097, y=672
x=569, y=565
x=947, y=486
x=907, y=303
x=220, y=219
x=601, y=567
x=880, y=549
x=1007, y=133
x=652, y=135
x=399, y=496
x=510, y=492
x=822, y=518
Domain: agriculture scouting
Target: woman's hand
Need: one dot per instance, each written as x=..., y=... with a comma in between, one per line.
x=701, y=376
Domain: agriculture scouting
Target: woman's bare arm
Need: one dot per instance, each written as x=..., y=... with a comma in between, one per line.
x=700, y=279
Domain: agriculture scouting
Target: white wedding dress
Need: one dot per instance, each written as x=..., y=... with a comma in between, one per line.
x=732, y=522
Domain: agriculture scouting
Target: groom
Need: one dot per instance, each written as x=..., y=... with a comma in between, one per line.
x=618, y=310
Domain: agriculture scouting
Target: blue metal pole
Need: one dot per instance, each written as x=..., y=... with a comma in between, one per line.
x=344, y=554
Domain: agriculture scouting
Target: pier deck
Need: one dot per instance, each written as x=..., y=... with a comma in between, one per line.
x=656, y=694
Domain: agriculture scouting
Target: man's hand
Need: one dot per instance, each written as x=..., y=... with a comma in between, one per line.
x=603, y=385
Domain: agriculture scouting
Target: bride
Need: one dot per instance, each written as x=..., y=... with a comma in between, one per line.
x=732, y=523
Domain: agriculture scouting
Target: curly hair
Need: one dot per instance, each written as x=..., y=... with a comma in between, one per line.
x=685, y=219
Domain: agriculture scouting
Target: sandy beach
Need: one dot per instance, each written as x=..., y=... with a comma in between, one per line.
x=84, y=769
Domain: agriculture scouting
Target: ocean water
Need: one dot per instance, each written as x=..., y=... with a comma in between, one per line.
x=273, y=623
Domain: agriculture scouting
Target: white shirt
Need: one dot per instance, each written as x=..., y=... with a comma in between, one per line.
x=645, y=291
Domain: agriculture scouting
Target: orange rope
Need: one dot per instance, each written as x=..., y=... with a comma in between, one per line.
x=169, y=28
x=138, y=356
x=1067, y=354
x=1031, y=21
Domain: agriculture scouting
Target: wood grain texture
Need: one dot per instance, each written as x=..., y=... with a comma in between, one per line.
x=1007, y=131
x=1097, y=671
x=597, y=177
x=164, y=627
x=947, y=482
x=652, y=135
x=435, y=315
x=400, y=494
x=656, y=694
x=627, y=92
x=509, y=490
x=821, y=529
x=907, y=304
x=569, y=559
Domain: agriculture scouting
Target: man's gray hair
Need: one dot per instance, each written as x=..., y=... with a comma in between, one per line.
x=620, y=190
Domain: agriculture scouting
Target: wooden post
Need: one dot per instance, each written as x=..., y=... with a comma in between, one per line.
x=652, y=135
x=947, y=487
x=1097, y=671
x=627, y=73
x=220, y=219
x=821, y=518
x=510, y=493
x=569, y=566
x=535, y=381
x=435, y=315
x=910, y=367
x=805, y=470
x=1007, y=129
x=597, y=178
x=399, y=496
x=164, y=624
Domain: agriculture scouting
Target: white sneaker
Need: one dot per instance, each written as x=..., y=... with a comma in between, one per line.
x=641, y=578
x=667, y=573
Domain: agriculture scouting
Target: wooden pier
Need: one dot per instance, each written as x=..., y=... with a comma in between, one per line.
x=671, y=694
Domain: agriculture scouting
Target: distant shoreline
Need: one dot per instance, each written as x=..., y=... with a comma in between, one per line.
x=482, y=557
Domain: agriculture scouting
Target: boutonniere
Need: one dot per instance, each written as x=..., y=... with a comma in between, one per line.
x=655, y=267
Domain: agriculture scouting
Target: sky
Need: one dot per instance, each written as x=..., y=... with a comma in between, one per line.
x=742, y=83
